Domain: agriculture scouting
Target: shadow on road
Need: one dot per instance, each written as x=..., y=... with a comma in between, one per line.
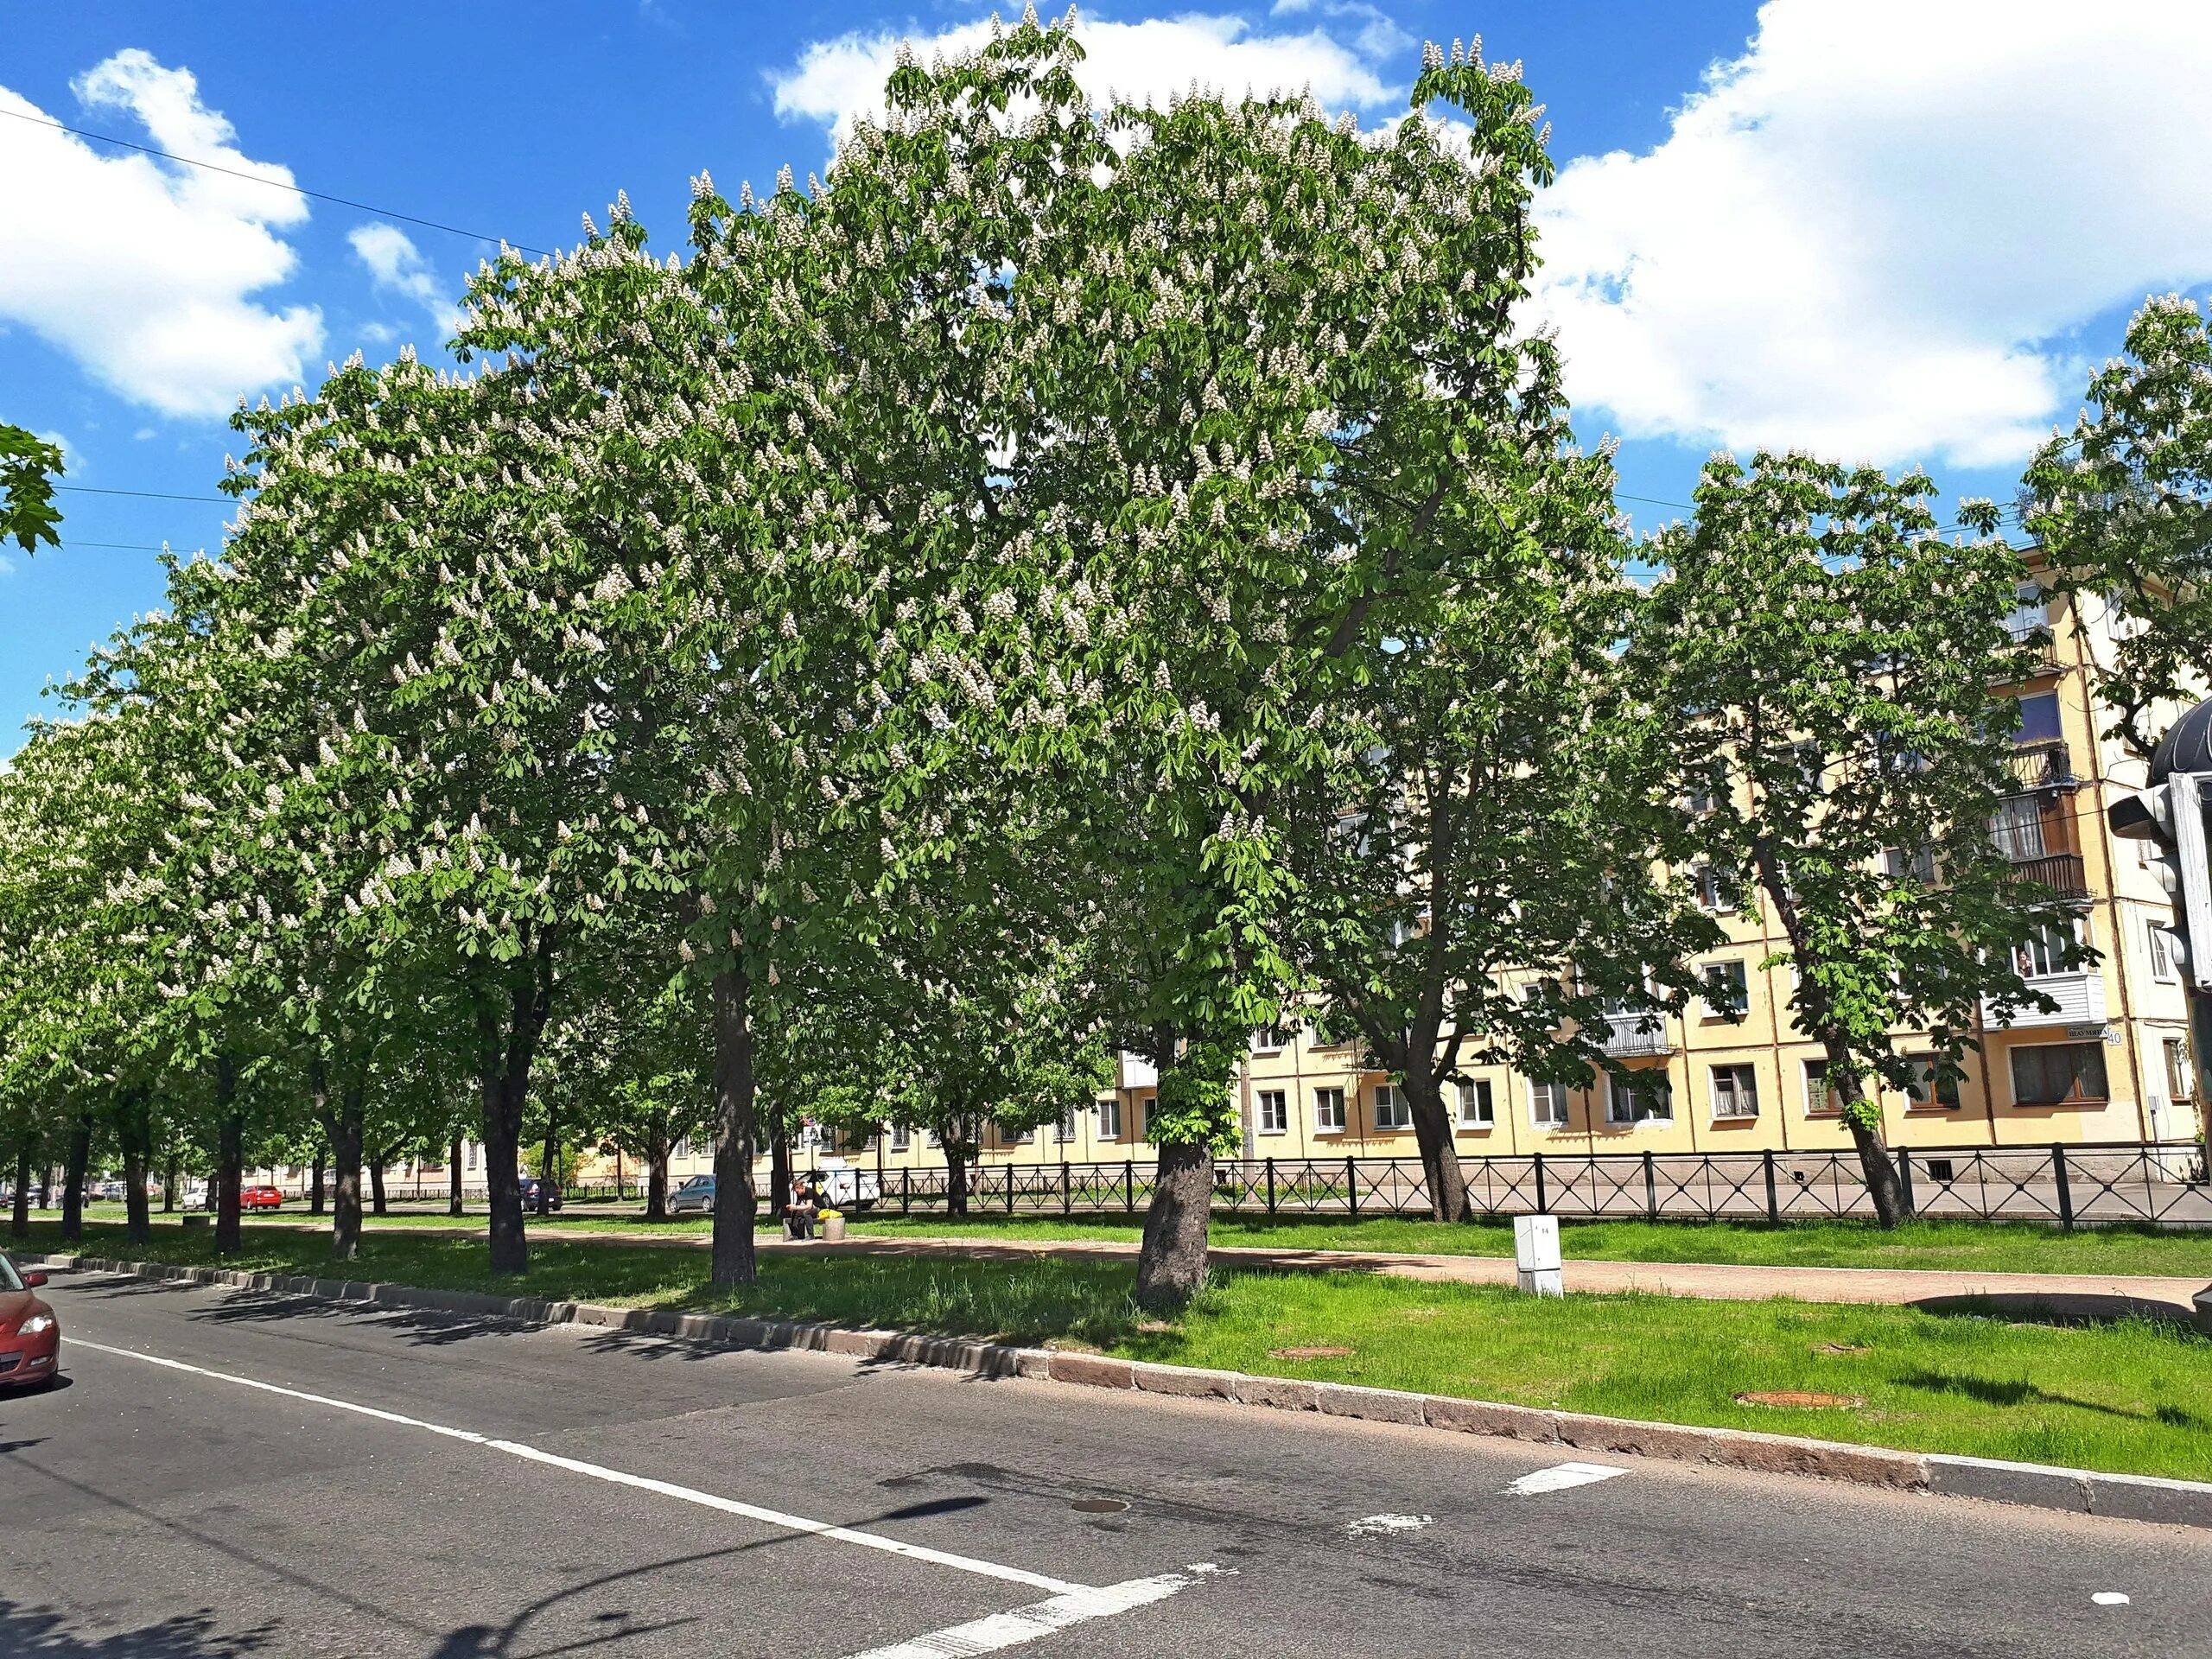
x=422, y=1327
x=2062, y=1307
x=37, y=1633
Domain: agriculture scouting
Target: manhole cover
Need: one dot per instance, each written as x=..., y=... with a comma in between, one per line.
x=1098, y=1506
x=1799, y=1397
x=1308, y=1353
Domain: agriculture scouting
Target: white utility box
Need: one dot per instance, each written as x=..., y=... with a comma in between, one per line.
x=1536, y=1253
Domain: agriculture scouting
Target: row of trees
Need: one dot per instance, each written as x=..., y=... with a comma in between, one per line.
x=1082, y=579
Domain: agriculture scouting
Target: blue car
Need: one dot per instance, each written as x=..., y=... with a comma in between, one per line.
x=695, y=1197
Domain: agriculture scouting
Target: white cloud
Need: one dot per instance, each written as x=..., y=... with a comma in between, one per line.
x=1872, y=233
x=141, y=270
x=396, y=265
x=837, y=80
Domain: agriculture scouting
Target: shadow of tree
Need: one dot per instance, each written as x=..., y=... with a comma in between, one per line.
x=38, y=1633
x=1992, y=1391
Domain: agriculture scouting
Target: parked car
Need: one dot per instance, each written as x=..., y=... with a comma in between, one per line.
x=110, y=1191
x=847, y=1188
x=532, y=1187
x=30, y=1332
x=695, y=1197
x=260, y=1197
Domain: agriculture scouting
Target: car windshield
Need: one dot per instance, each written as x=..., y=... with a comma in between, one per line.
x=10, y=1279
x=697, y=1181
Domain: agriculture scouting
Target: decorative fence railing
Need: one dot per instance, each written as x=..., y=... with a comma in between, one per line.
x=2159, y=1185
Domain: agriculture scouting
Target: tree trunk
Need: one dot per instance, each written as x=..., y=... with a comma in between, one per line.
x=779, y=1174
x=345, y=1133
x=133, y=1130
x=1171, y=1266
x=656, y=1151
x=318, y=1192
x=956, y=1173
x=169, y=1176
x=79, y=1155
x=507, y=1045
x=547, y=1160
x=1439, y=1156
x=377, y=1205
x=229, y=1158
x=736, y=1205
x=453, y=1179
x=20, y=1223
x=1880, y=1169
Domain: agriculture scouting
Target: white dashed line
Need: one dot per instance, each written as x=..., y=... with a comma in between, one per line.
x=1559, y=1477
x=1011, y=1630
x=2109, y=1598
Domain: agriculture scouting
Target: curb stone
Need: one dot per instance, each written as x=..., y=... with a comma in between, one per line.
x=2035, y=1486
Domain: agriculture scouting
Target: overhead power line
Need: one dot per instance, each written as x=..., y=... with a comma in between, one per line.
x=256, y=178
x=149, y=495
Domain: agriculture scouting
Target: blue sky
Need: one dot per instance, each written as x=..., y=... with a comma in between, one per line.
x=1883, y=230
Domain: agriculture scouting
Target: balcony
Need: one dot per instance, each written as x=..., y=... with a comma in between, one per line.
x=2063, y=872
x=2043, y=763
x=2080, y=997
x=1636, y=1031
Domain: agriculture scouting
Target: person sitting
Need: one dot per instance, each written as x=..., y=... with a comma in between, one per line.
x=806, y=1206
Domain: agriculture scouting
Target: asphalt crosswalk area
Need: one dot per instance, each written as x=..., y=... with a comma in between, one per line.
x=230, y=1473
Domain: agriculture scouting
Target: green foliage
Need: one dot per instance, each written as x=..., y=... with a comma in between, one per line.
x=1834, y=672
x=2123, y=509
x=28, y=465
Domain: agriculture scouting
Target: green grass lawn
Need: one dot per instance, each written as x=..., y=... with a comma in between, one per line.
x=2134, y=1396
x=1988, y=1246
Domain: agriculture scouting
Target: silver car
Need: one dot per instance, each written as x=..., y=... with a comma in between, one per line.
x=695, y=1197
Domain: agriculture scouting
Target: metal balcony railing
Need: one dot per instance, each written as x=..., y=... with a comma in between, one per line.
x=2063, y=872
x=2044, y=763
x=1636, y=1031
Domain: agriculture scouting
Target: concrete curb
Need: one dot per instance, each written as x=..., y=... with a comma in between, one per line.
x=2080, y=1492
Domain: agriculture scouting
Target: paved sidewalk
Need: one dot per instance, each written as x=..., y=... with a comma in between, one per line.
x=2085, y=1295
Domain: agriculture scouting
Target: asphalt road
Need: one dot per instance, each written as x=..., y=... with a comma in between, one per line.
x=300, y=1479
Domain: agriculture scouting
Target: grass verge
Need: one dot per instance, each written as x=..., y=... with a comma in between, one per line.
x=2130, y=1396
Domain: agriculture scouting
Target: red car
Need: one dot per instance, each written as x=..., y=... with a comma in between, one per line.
x=260, y=1197
x=30, y=1335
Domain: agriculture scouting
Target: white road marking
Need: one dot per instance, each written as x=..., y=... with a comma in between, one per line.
x=1062, y=1587
x=2109, y=1598
x=1367, y=1525
x=1012, y=1630
x=1559, y=1477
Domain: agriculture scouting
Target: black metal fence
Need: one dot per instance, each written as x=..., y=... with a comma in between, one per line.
x=2161, y=1184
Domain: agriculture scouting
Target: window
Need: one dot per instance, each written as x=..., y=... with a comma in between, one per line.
x=1820, y=1098
x=934, y=1140
x=1547, y=1105
x=473, y=1150
x=2045, y=954
x=1269, y=1038
x=1725, y=992
x=1145, y=1108
x=1639, y=1095
x=1916, y=863
x=1066, y=1132
x=1328, y=1110
x=1475, y=1111
x=2180, y=1076
x=1110, y=1117
x=902, y=1136
x=2018, y=828
x=1716, y=886
x=1011, y=1136
x=2159, y=943
x=1735, y=1091
x=1275, y=1111
x=1392, y=1109
x=2039, y=718
x=1928, y=1090
x=2031, y=612
x=2051, y=1074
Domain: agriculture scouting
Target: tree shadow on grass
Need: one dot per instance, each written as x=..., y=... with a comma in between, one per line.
x=39, y=1633
x=2064, y=1308
x=1991, y=1391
